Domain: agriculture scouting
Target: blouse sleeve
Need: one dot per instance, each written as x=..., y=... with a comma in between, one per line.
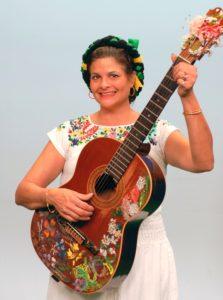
x=59, y=138
x=164, y=129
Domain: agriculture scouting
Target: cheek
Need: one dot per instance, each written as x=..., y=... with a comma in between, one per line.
x=92, y=85
x=127, y=87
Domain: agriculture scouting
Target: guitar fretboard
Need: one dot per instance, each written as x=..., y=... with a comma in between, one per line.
x=126, y=152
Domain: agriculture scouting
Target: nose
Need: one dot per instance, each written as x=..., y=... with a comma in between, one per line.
x=104, y=83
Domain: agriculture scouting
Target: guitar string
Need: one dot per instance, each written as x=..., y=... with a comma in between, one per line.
x=128, y=142
x=105, y=181
x=113, y=162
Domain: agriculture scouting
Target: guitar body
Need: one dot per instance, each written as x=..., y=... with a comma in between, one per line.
x=86, y=255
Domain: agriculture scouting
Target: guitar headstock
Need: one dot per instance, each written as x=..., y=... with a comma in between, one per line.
x=205, y=31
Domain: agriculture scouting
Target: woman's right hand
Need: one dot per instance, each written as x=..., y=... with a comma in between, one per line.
x=70, y=204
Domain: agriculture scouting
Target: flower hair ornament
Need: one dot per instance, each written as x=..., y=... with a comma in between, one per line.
x=130, y=47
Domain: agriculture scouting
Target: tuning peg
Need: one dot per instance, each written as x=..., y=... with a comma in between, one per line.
x=208, y=52
x=218, y=43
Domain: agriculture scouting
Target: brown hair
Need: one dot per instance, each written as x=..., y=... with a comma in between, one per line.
x=118, y=54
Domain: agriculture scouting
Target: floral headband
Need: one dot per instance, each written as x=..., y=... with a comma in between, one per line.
x=129, y=47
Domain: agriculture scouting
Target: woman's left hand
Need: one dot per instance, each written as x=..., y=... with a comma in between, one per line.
x=185, y=75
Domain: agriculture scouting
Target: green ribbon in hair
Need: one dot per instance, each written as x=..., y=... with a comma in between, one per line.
x=134, y=43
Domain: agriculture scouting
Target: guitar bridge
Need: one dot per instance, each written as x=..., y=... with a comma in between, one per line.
x=78, y=236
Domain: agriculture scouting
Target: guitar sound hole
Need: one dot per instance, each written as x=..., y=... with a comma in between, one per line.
x=105, y=183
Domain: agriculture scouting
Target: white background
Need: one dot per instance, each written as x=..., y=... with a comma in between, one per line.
x=41, y=86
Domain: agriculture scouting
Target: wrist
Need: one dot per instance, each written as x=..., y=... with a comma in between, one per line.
x=187, y=95
x=190, y=103
x=48, y=201
x=192, y=112
x=46, y=196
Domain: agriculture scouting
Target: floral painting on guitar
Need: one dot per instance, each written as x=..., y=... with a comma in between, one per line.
x=90, y=271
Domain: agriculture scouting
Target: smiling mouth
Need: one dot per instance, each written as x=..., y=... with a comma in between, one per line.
x=108, y=93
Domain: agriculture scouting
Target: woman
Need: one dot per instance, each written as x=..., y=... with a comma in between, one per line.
x=113, y=71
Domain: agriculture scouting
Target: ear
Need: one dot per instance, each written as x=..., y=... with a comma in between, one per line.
x=132, y=77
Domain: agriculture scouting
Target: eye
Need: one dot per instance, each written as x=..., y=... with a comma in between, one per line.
x=113, y=75
x=94, y=77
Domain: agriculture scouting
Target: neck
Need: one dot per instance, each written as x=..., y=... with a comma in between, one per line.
x=122, y=115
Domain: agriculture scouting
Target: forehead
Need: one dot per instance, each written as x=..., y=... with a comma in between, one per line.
x=106, y=64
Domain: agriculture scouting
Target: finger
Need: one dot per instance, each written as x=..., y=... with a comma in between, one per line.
x=84, y=197
x=74, y=217
x=81, y=212
x=80, y=201
x=84, y=205
x=69, y=217
x=173, y=57
x=183, y=84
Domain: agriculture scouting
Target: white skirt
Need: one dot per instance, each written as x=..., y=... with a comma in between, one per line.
x=152, y=277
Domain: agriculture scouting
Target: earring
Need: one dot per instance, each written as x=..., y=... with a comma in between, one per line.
x=132, y=92
x=91, y=95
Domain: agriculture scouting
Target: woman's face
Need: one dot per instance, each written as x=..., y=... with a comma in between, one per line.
x=109, y=82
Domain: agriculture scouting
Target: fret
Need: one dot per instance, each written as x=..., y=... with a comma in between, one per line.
x=114, y=164
x=115, y=177
x=153, y=113
x=166, y=88
x=126, y=153
x=116, y=158
x=135, y=137
x=151, y=116
x=163, y=92
x=143, y=134
x=120, y=149
x=158, y=100
x=128, y=140
x=143, y=126
x=160, y=96
x=154, y=103
x=125, y=145
x=110, y=166
x=142, y=115
x=170, y=78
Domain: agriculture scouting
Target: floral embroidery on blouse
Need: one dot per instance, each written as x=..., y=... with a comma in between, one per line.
x=81, y=130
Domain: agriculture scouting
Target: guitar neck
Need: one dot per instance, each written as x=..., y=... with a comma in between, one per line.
x=126, y=152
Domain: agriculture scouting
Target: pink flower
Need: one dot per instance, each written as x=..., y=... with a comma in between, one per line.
x=112, y=135
x=195, y=24
x=134, y=194
x=86, y=124
x=207, y=31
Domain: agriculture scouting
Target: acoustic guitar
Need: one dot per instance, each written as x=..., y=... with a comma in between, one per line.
x=127, y=186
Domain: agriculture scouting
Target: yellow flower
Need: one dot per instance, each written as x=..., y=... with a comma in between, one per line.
x=79, y=256
x=109, y=267
x=84, y=66
x=137, y=83
x=74, y=247
x=70, y=254
x=138, y=59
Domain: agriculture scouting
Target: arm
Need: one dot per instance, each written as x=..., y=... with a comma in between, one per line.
x=194, y=154
x=32, y=192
